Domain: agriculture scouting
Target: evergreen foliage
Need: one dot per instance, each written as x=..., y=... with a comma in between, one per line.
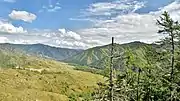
x=149, y=73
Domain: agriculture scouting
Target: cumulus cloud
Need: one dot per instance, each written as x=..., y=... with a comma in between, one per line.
x=124, y=28
x=22, y=15
x=61, y=33
x=70, y=44
x=9, y=28
x=3, y=39
x=69, y=34
x=127, y=27
x=59, y=38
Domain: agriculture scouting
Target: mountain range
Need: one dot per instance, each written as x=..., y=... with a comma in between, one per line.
x=42, y=50
x=96, y=57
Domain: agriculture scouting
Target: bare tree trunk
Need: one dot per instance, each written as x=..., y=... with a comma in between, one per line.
x=139, y=73
x=172, y=64
x=111, y=72
x=149, y=89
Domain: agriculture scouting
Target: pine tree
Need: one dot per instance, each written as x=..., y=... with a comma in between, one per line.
x=170, y=28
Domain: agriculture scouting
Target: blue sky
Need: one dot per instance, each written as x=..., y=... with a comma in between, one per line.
x=57, y=19
x=80, y=23
x=61, y=18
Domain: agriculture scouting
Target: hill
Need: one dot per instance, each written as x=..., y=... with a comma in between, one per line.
x=97, y=57
x=41, y=50
x=27, y=78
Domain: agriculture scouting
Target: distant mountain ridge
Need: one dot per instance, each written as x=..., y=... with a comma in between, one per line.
x=97, y=57
x=42, y=50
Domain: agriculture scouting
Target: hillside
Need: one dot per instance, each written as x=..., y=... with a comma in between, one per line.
x=43, y=50
x=97, y=57
x=27, y=78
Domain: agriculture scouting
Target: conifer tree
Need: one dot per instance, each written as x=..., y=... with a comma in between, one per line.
x=171, y=29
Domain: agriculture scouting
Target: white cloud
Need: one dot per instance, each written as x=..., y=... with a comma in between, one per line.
x=9, y=28
x=54, y=9
x=63, y=31
x=3, y=39
x=22, y=15
x=113, y=8
x=10, y=1
x=60, y=38
x=51, y=8
x=68, y=44
x=175, y=6
x=124, y=27
x=70, y=34
x=64, y=34
x=173, y=9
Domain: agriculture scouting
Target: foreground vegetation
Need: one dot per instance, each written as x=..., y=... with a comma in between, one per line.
x=149, y=73
x=27, y=78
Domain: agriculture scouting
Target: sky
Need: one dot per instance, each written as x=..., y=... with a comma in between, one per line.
x=82, y=24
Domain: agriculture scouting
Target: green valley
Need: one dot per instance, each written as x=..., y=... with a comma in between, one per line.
x=27, y=78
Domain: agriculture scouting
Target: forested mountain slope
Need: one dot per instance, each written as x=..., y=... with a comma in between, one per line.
x=98, y=56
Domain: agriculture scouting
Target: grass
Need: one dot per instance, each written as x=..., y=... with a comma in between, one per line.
x=56, y=82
